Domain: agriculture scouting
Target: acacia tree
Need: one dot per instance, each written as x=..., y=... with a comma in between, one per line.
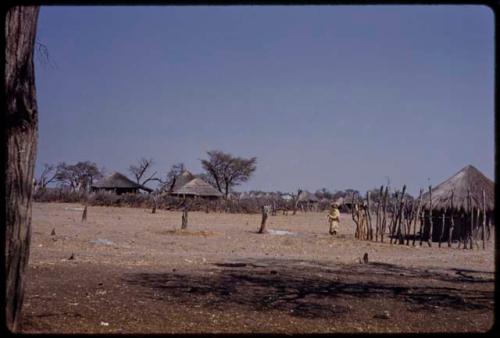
x=21, y=124
x=48, y=175
x=78, y=176
x=228, y=171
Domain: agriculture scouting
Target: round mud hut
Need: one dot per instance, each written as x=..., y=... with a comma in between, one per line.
x=460, y=208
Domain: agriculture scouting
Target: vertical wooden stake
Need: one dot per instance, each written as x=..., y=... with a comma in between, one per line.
x=443, y=218
x=422, y=226
x=400, y=216
x=417, y=217
x=264, y=219
x=471, y=213
x=369, y=235
x=84, y=214
x=154, y=205
x=378, y=225
x=429, y=240
x=184, y=223
x=410, y=221
x=384, y=214
x=394, y=218
x=452, y=224
x=484, y=220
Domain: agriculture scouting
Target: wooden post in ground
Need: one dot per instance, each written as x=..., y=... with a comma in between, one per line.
x=379, y=223
x=452, y=223
x=184, y=223
x=417, y=217
x=400, y=216
x=355, y=216
x=84, y=214
x=410, y=221
x=394, y=218
x=429, y=240
x=471, y=215
x=477, y=226
x=384, y=214
x=443, y=218
x=262, y=229
x=369, y=235
x=153, y=211
x=484, y=220
x=422, y=226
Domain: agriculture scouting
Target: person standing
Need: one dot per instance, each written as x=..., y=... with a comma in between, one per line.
x=334, y=218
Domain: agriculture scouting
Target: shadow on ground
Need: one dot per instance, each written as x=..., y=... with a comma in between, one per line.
x=315, y=290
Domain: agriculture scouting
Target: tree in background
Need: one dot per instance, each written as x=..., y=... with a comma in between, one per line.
x=172, y=174
x=48, y=175
x=323, y=193
x=227, y=171
x=79, y=176
x=141, y=169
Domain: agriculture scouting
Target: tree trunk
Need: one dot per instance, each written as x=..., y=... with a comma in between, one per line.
x=21, y=129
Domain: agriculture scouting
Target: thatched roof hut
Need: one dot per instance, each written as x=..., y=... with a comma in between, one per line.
x=307, y=197
x=119, y=184
x=467, y=179
x=197, y=187
x=459, y=220
x=180, y=180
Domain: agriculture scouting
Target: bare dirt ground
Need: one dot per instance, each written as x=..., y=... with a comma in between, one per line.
x=135, y=272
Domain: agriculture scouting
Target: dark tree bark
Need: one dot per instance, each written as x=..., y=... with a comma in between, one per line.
x=21, y=122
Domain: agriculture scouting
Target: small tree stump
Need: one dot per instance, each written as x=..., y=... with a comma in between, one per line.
x=184, y=223
x=265, y=212
x=84, y=214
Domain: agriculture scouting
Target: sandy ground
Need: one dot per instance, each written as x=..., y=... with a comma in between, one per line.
x=127, y=270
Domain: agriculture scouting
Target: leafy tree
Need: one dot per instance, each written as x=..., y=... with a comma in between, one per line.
x=227, y=171
x=78, y=176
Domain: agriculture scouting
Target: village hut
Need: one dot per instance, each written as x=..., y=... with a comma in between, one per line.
x=119, y=184
x=307, y=201
x=180, y=180
x=458, y=207
x=197, y=188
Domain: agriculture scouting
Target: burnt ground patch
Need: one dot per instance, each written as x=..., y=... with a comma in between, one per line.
x=315, y=290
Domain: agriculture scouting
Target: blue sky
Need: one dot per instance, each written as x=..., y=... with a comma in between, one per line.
x=324, y=96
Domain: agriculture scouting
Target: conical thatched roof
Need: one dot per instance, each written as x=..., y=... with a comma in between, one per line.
x=184, y=177
x=469, y=178
x=197, y=187
x=306, y=196
x=118, y=181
